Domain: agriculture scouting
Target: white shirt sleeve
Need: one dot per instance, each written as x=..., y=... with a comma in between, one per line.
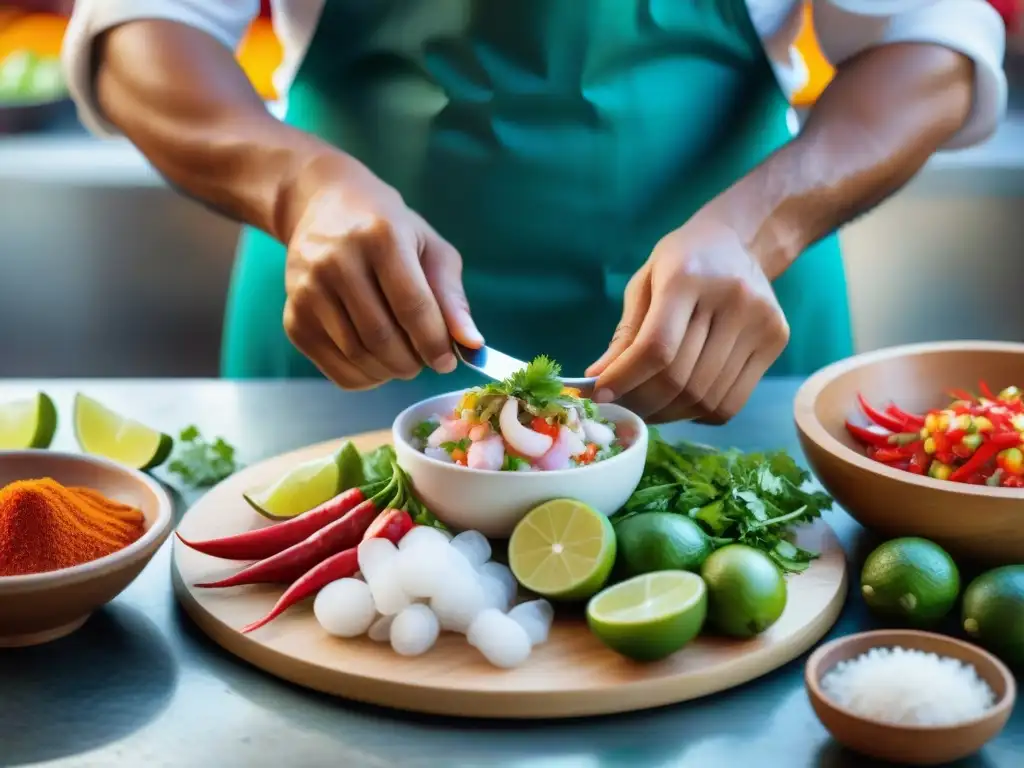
x=225, y=20
x=972, y=27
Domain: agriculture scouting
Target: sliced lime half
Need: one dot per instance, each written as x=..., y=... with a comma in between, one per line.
x=562, y=549
x=300, y=489
x=27, y=423
x=103, y=432
x=650, y=616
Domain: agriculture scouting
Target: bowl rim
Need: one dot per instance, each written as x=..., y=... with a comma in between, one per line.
x=886, y=638
x=83, y=571
x=642, y=436
x=807, y=421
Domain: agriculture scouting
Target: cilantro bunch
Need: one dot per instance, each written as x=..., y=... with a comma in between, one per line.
x=539, y=386
x=749, y=498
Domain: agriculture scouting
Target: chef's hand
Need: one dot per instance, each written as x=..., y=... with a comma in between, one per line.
x=373, y=292
x=700, y=327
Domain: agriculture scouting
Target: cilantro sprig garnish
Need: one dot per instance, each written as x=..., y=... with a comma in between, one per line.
x=538, y=383
x=200, y=463
x=751, y=498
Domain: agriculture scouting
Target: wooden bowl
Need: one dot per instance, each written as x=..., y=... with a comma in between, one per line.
x=976, y=522
x=910, y=744
x=40, y=607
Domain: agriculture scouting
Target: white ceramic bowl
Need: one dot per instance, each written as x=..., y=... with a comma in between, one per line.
x=493, y=502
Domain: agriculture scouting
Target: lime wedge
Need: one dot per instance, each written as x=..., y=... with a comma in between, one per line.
x=562, y=549
x=103, y=432
x=27, y=423
x=650, y=616
x=303, y=487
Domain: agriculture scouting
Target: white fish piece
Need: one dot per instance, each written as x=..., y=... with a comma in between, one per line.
x=598, y=433
x=386, y=588
x=414, y=631
x=380, y=630
x=536, y=617
x=438, y=436
x=423, y=534
x=503, y=575
x=474, y=546
x=344, y=608
x=423, y=569
x=572, y=441
x=522, y=439
x=374, y=555
x=459, y=602
x=487, y=454
x=440, y=454
x=502, y=641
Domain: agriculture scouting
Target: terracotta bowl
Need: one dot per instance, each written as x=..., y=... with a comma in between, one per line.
x=907, y=744
x=40, y=607
x=976, y=522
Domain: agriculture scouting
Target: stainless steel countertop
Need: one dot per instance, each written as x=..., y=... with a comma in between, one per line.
x=138, y=685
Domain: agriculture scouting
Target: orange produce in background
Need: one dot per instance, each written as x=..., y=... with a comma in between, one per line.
x=820, y=71
x=260, y=55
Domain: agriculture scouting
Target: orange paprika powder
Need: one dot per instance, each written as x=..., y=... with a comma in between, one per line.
x=45, y=526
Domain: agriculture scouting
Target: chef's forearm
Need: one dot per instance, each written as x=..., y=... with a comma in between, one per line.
x=885, y=113
x=182, y=99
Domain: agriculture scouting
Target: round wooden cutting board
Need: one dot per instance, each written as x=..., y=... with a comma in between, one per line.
x=571, y=675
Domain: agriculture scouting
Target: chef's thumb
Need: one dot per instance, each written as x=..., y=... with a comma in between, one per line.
x=443, y=268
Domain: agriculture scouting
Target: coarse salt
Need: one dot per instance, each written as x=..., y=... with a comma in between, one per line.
x=908, y=687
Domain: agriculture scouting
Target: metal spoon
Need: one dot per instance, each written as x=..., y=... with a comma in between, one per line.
x=499, y=366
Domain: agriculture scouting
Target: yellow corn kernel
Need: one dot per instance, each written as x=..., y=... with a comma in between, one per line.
x=931, y=422
x=982, y=424
x=963, y=421
x=924, y=432
x=1012, y=460
x=1010, y=395
x=570, y=391
x=929, y=445
x=944, y=420
x=940, y=471
x=972, y=441
x=468, y=402
x=1018, y=422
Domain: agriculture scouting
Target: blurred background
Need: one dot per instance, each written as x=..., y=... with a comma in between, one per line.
x=105, y=272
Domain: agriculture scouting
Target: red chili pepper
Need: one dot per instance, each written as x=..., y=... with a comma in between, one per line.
x=588, y=455
x=883, y=420
x=395, y=525
x=981, y=457
x=264, y=542
x=953, y=437
x=962, y=394
x=911, y=422
x=985, y=391
x=891, y=454
x=962, y=451
x=1006, y=439
x=866, y=436
x=1013, y=481
x=291, y=563
x=919, y=462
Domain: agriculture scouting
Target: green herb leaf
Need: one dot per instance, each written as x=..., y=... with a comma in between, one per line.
x=455, y=445
x=424, y=429
x=199, y=463
x=752, y=498
x=538, y=384
x=379, y=464
x=513, y=463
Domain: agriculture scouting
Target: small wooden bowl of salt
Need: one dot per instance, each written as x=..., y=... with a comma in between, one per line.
x=909, y=697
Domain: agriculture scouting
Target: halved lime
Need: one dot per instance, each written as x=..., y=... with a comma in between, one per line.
x=562, y=549
x=650, y=616
x=27, y=423
x=103, y=432
x=303, y=487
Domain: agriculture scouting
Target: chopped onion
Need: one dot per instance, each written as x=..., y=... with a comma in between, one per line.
x=598, y=433
x=522, y=440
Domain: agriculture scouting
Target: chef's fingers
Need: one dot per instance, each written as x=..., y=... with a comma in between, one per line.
x=669, y=386
x=636, y=301
x=352, y=279
x=312, y=341
x=656, y=343
x=442, y=266
x=336, y=323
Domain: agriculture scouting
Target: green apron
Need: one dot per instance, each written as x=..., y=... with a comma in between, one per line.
x=553, y=143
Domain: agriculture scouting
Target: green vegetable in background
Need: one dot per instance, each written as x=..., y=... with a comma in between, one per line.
x=749, y=498
x=200, y=463
x=378, y=464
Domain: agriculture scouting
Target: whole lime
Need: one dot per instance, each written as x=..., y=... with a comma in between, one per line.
x=659, y=541
x=993, y=612
x=746, y=590
x=910, y=580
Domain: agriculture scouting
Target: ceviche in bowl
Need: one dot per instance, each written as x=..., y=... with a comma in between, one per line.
x=483, y=457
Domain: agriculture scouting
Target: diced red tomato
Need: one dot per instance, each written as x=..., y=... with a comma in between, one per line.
x=545, y=427
x=589, y=454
